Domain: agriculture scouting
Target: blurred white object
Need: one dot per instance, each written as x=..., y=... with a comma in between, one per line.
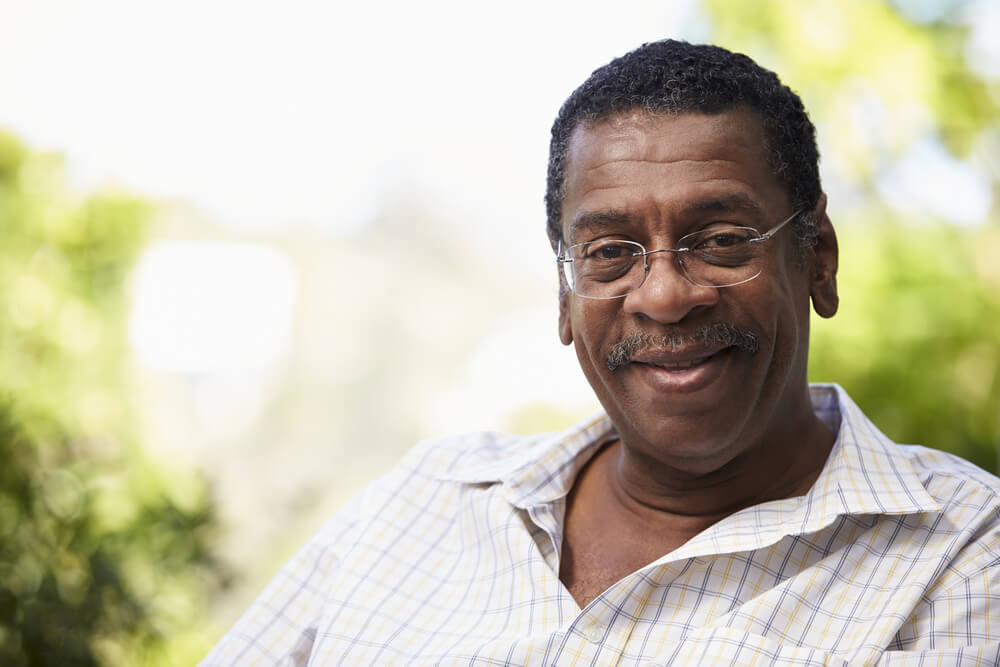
x=212, y=307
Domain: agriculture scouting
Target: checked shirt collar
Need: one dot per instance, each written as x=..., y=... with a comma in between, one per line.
x=865, y=473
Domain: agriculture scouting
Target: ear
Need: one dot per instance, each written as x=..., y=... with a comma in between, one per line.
x=565, y=329
x=823, y=264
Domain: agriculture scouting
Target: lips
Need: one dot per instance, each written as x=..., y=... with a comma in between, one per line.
x=668, y=372
x=675, y=359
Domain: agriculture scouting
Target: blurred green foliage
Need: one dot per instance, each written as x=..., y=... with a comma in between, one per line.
x=917, y=339
x=103, y=553
x=832, y=52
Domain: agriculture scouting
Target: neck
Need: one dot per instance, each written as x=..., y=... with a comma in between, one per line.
x=780, y=465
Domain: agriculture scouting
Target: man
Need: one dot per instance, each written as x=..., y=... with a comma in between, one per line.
x=721, y=511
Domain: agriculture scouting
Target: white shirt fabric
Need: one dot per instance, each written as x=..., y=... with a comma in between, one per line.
x=452, y=558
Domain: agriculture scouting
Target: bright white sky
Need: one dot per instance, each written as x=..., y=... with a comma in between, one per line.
x=264, y=113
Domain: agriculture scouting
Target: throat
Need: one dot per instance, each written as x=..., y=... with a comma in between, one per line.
x=604, y=541
x=625, y=512
x=694, y=493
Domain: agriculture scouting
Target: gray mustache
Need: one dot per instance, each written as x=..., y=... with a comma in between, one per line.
x=719, y=334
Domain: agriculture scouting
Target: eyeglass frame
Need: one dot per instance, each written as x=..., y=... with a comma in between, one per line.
x=678, y=252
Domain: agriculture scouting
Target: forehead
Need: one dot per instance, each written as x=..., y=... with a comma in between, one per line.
x=641, y=164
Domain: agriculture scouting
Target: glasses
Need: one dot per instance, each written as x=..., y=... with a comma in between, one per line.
x=717, y=257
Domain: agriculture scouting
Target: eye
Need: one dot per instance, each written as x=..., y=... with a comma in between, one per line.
x=608, y=251
x=724, y=246
x=724, y=239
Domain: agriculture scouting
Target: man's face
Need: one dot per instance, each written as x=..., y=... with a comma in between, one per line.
x=688, y=399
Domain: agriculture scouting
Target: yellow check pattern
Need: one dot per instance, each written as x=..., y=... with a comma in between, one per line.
x=452, y=558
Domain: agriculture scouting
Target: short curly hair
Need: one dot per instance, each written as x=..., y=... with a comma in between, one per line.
x=672, y=76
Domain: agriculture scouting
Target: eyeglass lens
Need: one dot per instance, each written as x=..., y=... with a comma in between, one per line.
x=611, y=268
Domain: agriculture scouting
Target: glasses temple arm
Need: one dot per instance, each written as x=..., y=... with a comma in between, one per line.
x=774, y=230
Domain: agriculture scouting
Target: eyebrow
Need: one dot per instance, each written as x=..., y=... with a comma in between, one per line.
x=599, y=220
x=725, y=204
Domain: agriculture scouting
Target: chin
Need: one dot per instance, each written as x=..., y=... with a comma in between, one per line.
x=681, y=442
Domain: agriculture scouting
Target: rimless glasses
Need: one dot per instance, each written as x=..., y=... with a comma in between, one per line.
x=716, y=257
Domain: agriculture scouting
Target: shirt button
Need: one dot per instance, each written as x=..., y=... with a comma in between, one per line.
x=594, y=634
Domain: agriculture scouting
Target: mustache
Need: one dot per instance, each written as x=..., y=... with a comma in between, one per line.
x=719, y=334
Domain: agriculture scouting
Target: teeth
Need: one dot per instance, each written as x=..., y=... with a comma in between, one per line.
x=682, y=365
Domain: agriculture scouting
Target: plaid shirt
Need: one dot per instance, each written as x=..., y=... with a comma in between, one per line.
x=452, y=558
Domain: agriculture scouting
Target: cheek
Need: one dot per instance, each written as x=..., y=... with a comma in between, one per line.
x=593, y=326
x=784, y=317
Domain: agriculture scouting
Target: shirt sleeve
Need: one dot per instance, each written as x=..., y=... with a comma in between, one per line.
x=281, y=624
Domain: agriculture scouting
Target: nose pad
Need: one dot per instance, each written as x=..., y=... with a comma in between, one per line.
x=666, y=294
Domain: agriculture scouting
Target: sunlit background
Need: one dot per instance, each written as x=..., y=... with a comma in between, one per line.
x=250, y=253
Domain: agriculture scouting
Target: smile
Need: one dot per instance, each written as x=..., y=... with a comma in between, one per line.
x=671, y=373
x=679, y=366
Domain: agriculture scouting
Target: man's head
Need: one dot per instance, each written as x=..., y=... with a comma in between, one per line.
x=670, y=141
x=675, y=77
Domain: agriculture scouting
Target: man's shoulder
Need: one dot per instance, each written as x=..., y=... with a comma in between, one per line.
x=475, y=447
x=436, y=476
x=483, y=456
x=950, y=478
x=452, y=456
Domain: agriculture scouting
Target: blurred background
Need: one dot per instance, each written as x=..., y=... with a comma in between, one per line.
x=250, y=253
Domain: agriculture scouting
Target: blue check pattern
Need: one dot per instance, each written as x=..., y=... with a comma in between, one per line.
x=452, y=558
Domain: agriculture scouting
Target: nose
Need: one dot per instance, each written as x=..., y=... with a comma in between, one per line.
x=666, y=295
